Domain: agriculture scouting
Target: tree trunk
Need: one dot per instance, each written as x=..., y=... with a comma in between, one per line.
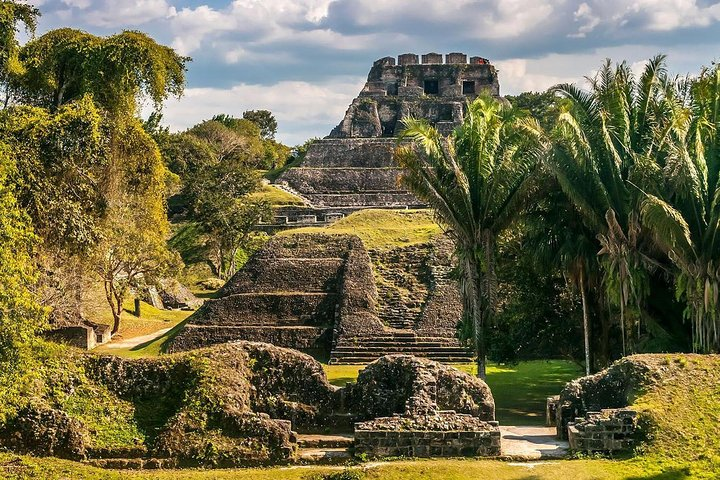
x=586, y=323
x=476, y=313
x=110, y=296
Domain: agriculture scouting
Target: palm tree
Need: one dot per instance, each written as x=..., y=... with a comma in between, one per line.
x=685, y=220
x=476, y=181
x=609, y=141
x=558, y=239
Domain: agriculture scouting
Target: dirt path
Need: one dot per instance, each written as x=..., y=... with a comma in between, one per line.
x=135, y=341
x=532, y=443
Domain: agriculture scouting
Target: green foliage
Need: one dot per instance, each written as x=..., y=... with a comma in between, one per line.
x=66, y=64
x=57, y=153
x=220, y=204
x=12, y=14
x=543, y=106
x=265, y=120
x=609, y=148
x=20, y=315
x=133, y=247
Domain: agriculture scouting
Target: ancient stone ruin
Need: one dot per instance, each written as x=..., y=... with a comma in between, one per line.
x=247, y=403
x=593, y=412
x=353, y=168
x=325, y=294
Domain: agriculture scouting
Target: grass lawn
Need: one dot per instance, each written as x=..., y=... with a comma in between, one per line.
x=520, y=390
x=276, y=197
x=382, y=229
x=14, y=467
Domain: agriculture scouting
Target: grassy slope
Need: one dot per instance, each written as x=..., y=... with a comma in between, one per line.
x=151, y=320
x=276, y=197
x=383, y=229
x=519, y=390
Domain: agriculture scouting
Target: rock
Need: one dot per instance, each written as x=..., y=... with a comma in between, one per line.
x=403, y=384
x=175, y=295
x=614, y=387
x=45, y=431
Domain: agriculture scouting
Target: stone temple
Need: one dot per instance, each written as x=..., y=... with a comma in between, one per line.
x=353, y=167
x=327, y=293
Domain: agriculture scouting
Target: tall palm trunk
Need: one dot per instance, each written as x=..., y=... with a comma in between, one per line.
x=475, y=311
x=586, y=323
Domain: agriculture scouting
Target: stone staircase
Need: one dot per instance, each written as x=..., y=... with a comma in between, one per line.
x=325, y=449
x=366, y=349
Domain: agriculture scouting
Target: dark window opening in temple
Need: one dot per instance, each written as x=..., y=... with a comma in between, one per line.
x=432, y=87
x=468, y=87
x=392, y=89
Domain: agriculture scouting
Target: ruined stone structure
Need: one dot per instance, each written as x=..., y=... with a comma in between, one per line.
x=609, y=430
x=353, y=167
x=443, y=434
x=320, y=293
x=327, y=294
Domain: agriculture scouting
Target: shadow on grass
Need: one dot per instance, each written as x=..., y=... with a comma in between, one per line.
x=672, y=474
x=164, y=339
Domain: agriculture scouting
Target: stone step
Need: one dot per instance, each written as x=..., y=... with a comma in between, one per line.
x=324, y=456
x=363, y=359
x=311, y=441
x=401, y=344
x=401, y=348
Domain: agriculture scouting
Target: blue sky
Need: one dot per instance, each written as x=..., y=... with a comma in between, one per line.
x=306, y=59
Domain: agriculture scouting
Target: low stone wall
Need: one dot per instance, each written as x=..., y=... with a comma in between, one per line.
x=610, y=430
x=445, y=434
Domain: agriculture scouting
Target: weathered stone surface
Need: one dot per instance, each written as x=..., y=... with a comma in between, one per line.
x=244, y=398
x=395, y=91
x=175, y=295
x=614, y=387
x=354, y=166
x=443, y=434
x=402, y=384
x=45, y=431
x=610, y=430
x=299, y=291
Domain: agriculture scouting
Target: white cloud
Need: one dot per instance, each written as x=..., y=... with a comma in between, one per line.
x=302, y=109
x=515, y=76
x=655, y=15
x=584, y=14
x=114, y=13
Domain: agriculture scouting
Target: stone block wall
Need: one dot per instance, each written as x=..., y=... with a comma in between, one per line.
x=297, y=292
x=286, y=309
x=610, y=430
x=195, y=336
x=356, y=152
x=310, y=180
x=446, y=434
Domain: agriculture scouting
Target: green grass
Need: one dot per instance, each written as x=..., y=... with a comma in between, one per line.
x=17, y=467
x=152, y=348
x=520, y=390
x=383, y=229
x=276, y=197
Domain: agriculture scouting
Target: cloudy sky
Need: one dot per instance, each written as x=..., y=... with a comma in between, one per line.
x=306, y=59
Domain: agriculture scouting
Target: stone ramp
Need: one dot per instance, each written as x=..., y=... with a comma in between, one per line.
x=531, y=443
